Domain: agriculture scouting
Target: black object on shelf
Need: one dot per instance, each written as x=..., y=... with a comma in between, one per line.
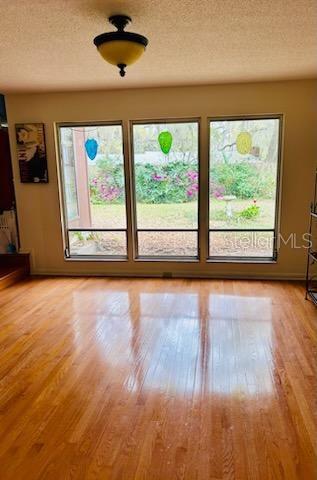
x=313, y=256
x=311, y=277
x=313, y=296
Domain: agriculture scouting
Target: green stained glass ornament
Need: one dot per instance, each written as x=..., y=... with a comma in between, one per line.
x=165, y=140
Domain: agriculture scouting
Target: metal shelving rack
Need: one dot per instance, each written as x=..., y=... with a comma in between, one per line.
x=311, y=277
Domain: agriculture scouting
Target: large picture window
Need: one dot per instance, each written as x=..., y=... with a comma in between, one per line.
x=243, y=187
x=144, y=202
x=166, y=185
x=94, y=190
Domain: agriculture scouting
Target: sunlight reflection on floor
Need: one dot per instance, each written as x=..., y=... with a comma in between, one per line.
x=186, y=342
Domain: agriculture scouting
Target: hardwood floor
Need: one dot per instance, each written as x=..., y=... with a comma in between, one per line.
x=157, y=380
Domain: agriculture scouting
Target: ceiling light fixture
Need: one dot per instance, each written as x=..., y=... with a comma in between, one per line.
x=120, y=48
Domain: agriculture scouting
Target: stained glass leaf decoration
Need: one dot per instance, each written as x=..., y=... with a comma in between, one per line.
x=91, y=146
x=165, y=140
x=244, y=143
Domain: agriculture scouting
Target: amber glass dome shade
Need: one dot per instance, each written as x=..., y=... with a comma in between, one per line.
x=120, y=48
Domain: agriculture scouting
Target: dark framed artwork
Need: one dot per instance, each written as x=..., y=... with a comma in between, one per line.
x=31, y=152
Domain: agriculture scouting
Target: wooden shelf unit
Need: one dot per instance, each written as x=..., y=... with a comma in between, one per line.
x=311, y=277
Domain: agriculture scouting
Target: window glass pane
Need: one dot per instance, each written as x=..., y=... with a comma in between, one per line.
x=162, y=244
x=69, y=174
x=243, y=173
x=93, y=173
x=241, y=244
x=166, y=175
x=97, y=243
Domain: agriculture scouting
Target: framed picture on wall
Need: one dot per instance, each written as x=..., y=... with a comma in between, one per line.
x=31, y=150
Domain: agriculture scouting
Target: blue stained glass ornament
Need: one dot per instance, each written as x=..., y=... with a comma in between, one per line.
x=91, y=146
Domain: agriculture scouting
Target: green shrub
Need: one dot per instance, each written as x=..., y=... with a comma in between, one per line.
x=250, y=213
x=79, y=236
x=177, y=181
x=244, y=180
x=173, y=182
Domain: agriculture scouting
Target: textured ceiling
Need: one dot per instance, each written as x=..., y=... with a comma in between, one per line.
x=46, y=45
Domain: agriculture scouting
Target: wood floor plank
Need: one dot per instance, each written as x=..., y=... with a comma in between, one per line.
x=130, y=379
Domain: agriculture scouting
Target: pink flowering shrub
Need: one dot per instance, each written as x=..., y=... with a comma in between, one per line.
x=172, y=182
x=107, y=188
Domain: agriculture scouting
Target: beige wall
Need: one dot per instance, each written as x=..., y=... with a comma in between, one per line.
x=38, y=205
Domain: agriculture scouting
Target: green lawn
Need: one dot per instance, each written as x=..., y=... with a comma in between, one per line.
x=183, y=215
x=265, y=219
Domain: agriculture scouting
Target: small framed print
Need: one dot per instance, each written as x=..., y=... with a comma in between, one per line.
x=31, y=150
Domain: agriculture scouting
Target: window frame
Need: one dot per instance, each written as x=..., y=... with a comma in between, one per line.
x=276, y=229
x=62, y=195
x=203, y=199
x=164, y=258
x=64, y=183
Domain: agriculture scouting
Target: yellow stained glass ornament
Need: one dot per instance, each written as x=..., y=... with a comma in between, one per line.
x=244, y=143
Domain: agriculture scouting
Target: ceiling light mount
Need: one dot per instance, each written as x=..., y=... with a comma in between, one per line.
x=120, y=48
x=120, y=21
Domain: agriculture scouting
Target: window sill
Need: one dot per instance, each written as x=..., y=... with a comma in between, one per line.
x=86, y=258
x=247, y=260
x=167, y=259
x=211, y=260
